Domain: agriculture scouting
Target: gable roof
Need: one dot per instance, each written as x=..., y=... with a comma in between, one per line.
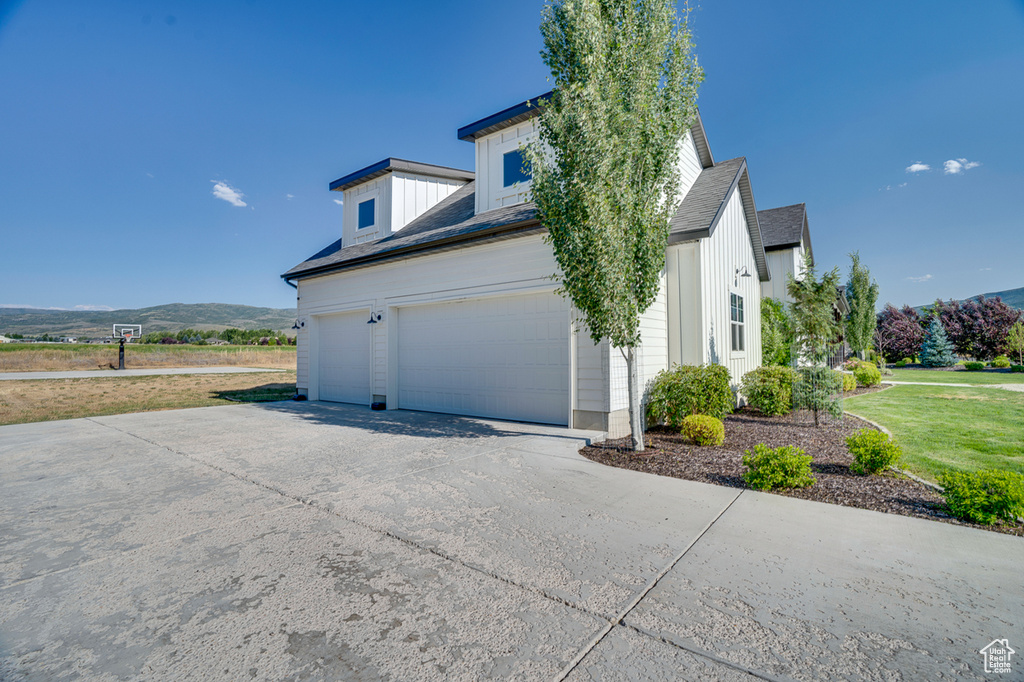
x=704, y=205
x=449, y=224
x=390, y=164
x=785, y=227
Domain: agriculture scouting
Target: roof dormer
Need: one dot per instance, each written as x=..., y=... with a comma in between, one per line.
x=381, y=199
x=502, y=177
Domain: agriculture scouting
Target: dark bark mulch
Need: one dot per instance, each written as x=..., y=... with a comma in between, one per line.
x=671, y=454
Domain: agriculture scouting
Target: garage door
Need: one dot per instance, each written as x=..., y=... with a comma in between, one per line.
x=504, y=357
x=344, y=358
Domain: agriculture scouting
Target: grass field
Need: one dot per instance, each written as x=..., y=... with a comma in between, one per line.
x=984, y=378
x=52, y=399
x=20, y=357
x=943, y=427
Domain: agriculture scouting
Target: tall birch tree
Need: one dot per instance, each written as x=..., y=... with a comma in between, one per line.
x=605, y=164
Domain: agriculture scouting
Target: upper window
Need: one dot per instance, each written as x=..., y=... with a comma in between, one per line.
x=736, y=316
x=367, y=213
x=515, y=168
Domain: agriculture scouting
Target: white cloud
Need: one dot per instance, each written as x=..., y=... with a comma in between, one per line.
x=223, y=190
x=91, y=306
x=984, y=269
x=957, y=166
x=339, y=202
x=290, y=196
x=923, y=278
x=149, y=175
x=87, y=306
x=902, y=184
x=918, y=167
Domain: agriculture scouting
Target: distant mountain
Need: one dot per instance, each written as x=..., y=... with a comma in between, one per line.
x=169, y=318
x=1011, y=297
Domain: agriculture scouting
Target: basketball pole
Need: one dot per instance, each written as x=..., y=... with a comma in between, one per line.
x=120, y=355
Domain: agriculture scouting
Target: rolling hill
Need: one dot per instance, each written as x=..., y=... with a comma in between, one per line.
x=170, y=318
x=1011, y=297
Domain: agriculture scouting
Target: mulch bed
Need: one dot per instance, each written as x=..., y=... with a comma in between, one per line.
x=671, y=454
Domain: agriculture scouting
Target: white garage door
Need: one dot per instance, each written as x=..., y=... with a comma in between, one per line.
x=344, y=358
x=504, y=357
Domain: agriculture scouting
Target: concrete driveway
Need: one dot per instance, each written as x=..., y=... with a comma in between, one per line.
x=318, y=541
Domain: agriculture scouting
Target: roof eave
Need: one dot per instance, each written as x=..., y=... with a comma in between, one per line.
x=505, y=118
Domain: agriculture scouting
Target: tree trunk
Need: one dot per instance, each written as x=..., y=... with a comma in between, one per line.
x=636, y=422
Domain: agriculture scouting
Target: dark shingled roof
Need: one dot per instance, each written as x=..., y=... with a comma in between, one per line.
x=785, y=227
x=452, y=221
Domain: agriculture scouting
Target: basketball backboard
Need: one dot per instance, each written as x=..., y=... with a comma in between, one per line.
x=127, y=331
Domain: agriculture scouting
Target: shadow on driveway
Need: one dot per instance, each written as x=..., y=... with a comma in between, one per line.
x=422, y=424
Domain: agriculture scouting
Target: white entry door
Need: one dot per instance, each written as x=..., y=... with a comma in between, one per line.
x=344, y=358
x=504, y=357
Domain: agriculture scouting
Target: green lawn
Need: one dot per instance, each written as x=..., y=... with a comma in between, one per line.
x=985, y=377
x=944, y=427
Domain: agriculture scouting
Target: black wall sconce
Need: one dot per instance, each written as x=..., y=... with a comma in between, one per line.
x=374, y=318
x=299, y=324
x=740, y=272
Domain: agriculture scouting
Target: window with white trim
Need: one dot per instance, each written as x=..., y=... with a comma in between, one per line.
x=736, y=318
x=515, y=168
x=367, y=214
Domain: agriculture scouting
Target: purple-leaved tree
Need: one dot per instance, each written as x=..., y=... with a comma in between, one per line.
x=899, y=333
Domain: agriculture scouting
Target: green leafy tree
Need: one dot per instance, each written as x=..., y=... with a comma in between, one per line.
x=862, y=294
x=815, y=330
x=812, y=313
x=937, y=349
x=776, y=333
x=1014, y=341
x=605, y=174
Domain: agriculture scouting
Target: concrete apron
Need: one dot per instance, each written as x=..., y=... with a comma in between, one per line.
x=313, y=540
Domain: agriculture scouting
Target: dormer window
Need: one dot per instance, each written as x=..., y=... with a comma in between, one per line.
x=515, y=168
x=367, y=213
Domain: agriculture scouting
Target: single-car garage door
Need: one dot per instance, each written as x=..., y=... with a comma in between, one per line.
x=344, y=358
x=505, y=357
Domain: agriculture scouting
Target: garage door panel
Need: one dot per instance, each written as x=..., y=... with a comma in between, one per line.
x=344, y=358
x=504, y=357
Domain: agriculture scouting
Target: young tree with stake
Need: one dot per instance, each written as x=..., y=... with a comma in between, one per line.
x=605, y=175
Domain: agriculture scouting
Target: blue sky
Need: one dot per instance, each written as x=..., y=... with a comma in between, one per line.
x=155, y=152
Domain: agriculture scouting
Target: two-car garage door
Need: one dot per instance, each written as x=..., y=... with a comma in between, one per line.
x=505, y=357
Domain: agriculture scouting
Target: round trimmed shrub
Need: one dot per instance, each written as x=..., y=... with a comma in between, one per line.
x=782, y=467
x=1001, y=361
x=1017, y=369
x=873, y=451
x=900, y=363
x=769, y=389
x=867, y=374
x=984, y=496
x=704, y=430
x=974, y=366
x=849, y=383
x=686, y=389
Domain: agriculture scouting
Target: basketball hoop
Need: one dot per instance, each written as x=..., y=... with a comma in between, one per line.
x=123, y=333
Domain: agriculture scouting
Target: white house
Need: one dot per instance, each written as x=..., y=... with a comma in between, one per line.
x=787, y=239
x=439, y=294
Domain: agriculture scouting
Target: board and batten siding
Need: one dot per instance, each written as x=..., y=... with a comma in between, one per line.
x=379, y=190
x=490, y=151
x=701, y=277
x=412, y=195
x=783, y=264
x=689, y=165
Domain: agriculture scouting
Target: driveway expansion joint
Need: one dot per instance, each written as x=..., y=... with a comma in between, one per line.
x=621, y=617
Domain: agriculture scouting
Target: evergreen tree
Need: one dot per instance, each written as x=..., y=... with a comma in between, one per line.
x=862, y=294
x=937, y=350
x=605, y=166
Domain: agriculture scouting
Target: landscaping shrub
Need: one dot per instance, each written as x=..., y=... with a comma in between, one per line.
x=783, y=467
x=704, y=430
x=900, y=363
x=974, y=366
x=872, y=451
x=867, y=375
x=770, y=389
x=818, y=389
x=685, y=389
x=1001, y=361
x=849, y=383
x=984, y=496
x=908, y=361
x=937, y=350
x=1017, y=369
